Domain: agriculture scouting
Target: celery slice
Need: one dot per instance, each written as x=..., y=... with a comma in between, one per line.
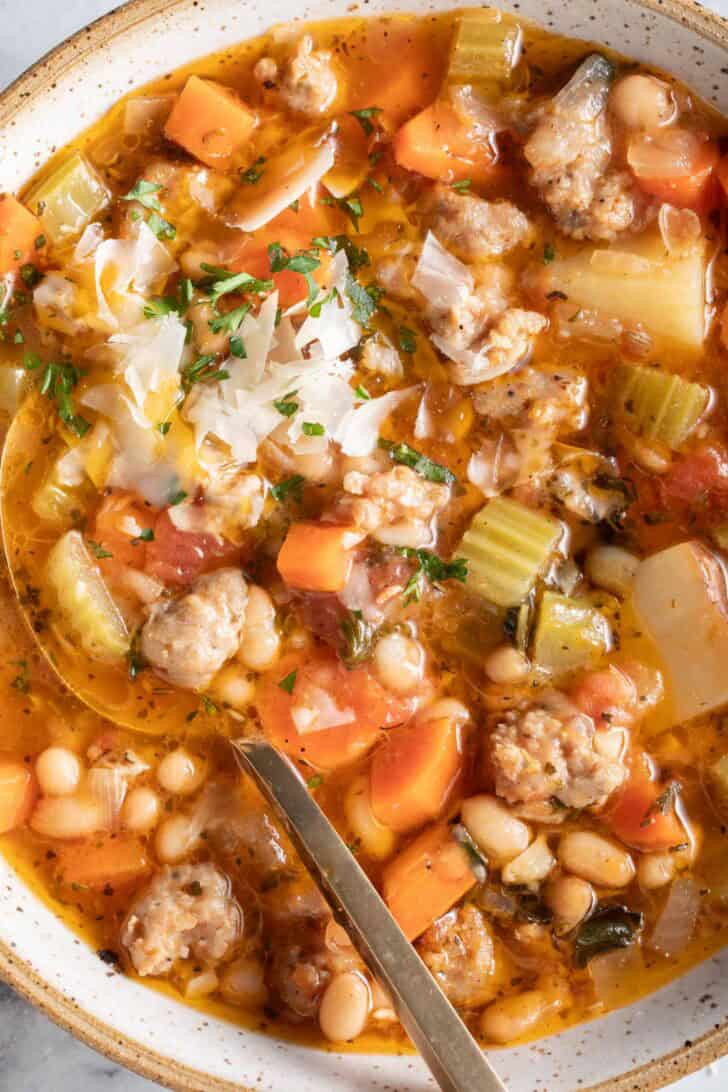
x=508, y=546
x=657, y=404
x=84, y=601
x=485, y=48
x=570, y=633
x=68, y=198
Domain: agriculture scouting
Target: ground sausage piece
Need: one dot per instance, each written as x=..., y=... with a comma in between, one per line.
x=555, y=399
x=188, y=639
x=570, y=153
x=307, y=83
x=186, y=910
x=509, y=342
x=464, y=323
x=458, y=949
x=395, y=506
x=474, y=228
x=552, y=752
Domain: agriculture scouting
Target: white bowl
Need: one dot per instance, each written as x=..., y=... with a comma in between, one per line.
x=641, y=1047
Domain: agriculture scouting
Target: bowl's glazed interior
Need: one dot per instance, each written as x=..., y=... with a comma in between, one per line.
x=644, y=1046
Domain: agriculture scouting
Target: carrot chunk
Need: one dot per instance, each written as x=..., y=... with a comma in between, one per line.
x=689, y=178
x=18, y=792
x=437, y=144
x=210, y=122
x=426, y=879
x=317, y=556
x=413, y=772
x=313, y=708
x=117, y=860
x=19, y=230
x=644, y=814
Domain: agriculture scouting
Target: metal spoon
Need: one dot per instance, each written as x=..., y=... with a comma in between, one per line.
x=455, y=1059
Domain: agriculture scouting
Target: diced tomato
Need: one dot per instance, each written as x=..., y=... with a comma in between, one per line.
x=18, y=792
x=644, y=813
x=118, y=529
x=317, y=686
x=698, y=478
x=608, y=696
x=177, y=557
x=117, y=860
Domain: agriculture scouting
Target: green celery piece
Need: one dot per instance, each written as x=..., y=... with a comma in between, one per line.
x=484, y=49
x=68, y=198
x=508, y=546
x=657, y=404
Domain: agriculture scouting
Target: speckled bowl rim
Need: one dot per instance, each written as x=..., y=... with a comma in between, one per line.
x=65, y=1012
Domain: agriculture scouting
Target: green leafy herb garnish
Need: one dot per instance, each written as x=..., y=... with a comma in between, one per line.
x=159, y=306
x=477, y=861
x=40, y=242
x=549, y=253
x=230, y=321
x=463, y=185
x=30, y=275
x=315, y=782
x=357, y=636
x=662, y=804
x=357, y=256
x=426, y=468
x=609, y=927
x=203, y=370
x=290, y=487
x=286, y=406
x=254, y=173
x=98, y=550
x=432, y=568
x=407, y=340
x=163, y=427
x=209, y=706
x=351, y=205
x=134, y=660
x=289, y=682
x=364, y=117
x=177, y=498
x=312, y=428
x=237, y=347
x=161, y=227
x=224, y=282
x=304, y=262
x=362, y=392
x=21, y=681
x=364, y=299
x=146, y=194
x=147, y=535
x=57, y=381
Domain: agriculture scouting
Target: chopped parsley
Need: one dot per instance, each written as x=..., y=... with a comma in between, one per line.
x=177, y=498
x=304, y=262
x=209, y=706
x=237, y=347
x=350, y=205
x=161, y=227
x=146, y=194
x=98, y=550
x=432, y=568
x=159, y=306
x=230, y=321
x=463, y=185
x=21, y=682
x=224, y=282
x=286, y=406
x=662, y=804
x=254, y=173
x=163, y=427
x=362, y=392
x=426, y=468
x=57, y=381
x=364, y=117
x=289, y=682
x=203, y=370
x=549, y=253
x=357, y=256
x=407, y=340
x=476, y=859
x=364, y=299
x=134, y=660
x=315, y=782
x=357, y=636
x=40, y=242
x=30, y=275
x=147, y=535
x=290, y=487
x=317, y=306
x=312, y=428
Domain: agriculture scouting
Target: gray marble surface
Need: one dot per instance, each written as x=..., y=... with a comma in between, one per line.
x=36, y=1056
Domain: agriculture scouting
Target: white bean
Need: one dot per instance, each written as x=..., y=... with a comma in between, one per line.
x=243, y=983
x=532, y=866
x=66, y=816
x=513, y=1017
x=446, y=709
x=180, y=773
x=259, y=646
x=201, y=985
x=176, y=837
x=655, y=870
x=377, y=840
x=596, y=859
x=570, y=899
x=643, y=102
x=612, y=568
x=140, y=811
x=345, y=1007
x=234, y=686
x=399, y=662
x=499, y=833
x=58, y=771
x=506, y=664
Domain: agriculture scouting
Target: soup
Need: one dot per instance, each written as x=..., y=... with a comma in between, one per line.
x=364, y=389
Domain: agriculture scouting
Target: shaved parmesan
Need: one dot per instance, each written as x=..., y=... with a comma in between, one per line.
x=56, y=304
x=441, y=278
x=287, y=177
x=335, y=329
x=358, y=433
x=149, y=354
x=125, y=270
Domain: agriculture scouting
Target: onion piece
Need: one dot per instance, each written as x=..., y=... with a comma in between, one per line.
x=147, y=114
x=441, y=278
x=108, y=787
x=665, y=153
x=676, y=924
x=680, y=230
x=611, y=972
x=287, y=178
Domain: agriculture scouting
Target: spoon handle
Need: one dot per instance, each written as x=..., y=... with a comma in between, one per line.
x=455, y=1059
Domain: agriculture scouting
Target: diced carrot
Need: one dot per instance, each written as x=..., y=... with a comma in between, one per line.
x=116, y=860
x=18, y=792
x=644, y=814
x=694, y=189
x=210, y=122
x=426, y=879
x=317, y=556
x=118, y=528
x=413, y=772
x=19, y=230
x=437, y=144
x=306, y=687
